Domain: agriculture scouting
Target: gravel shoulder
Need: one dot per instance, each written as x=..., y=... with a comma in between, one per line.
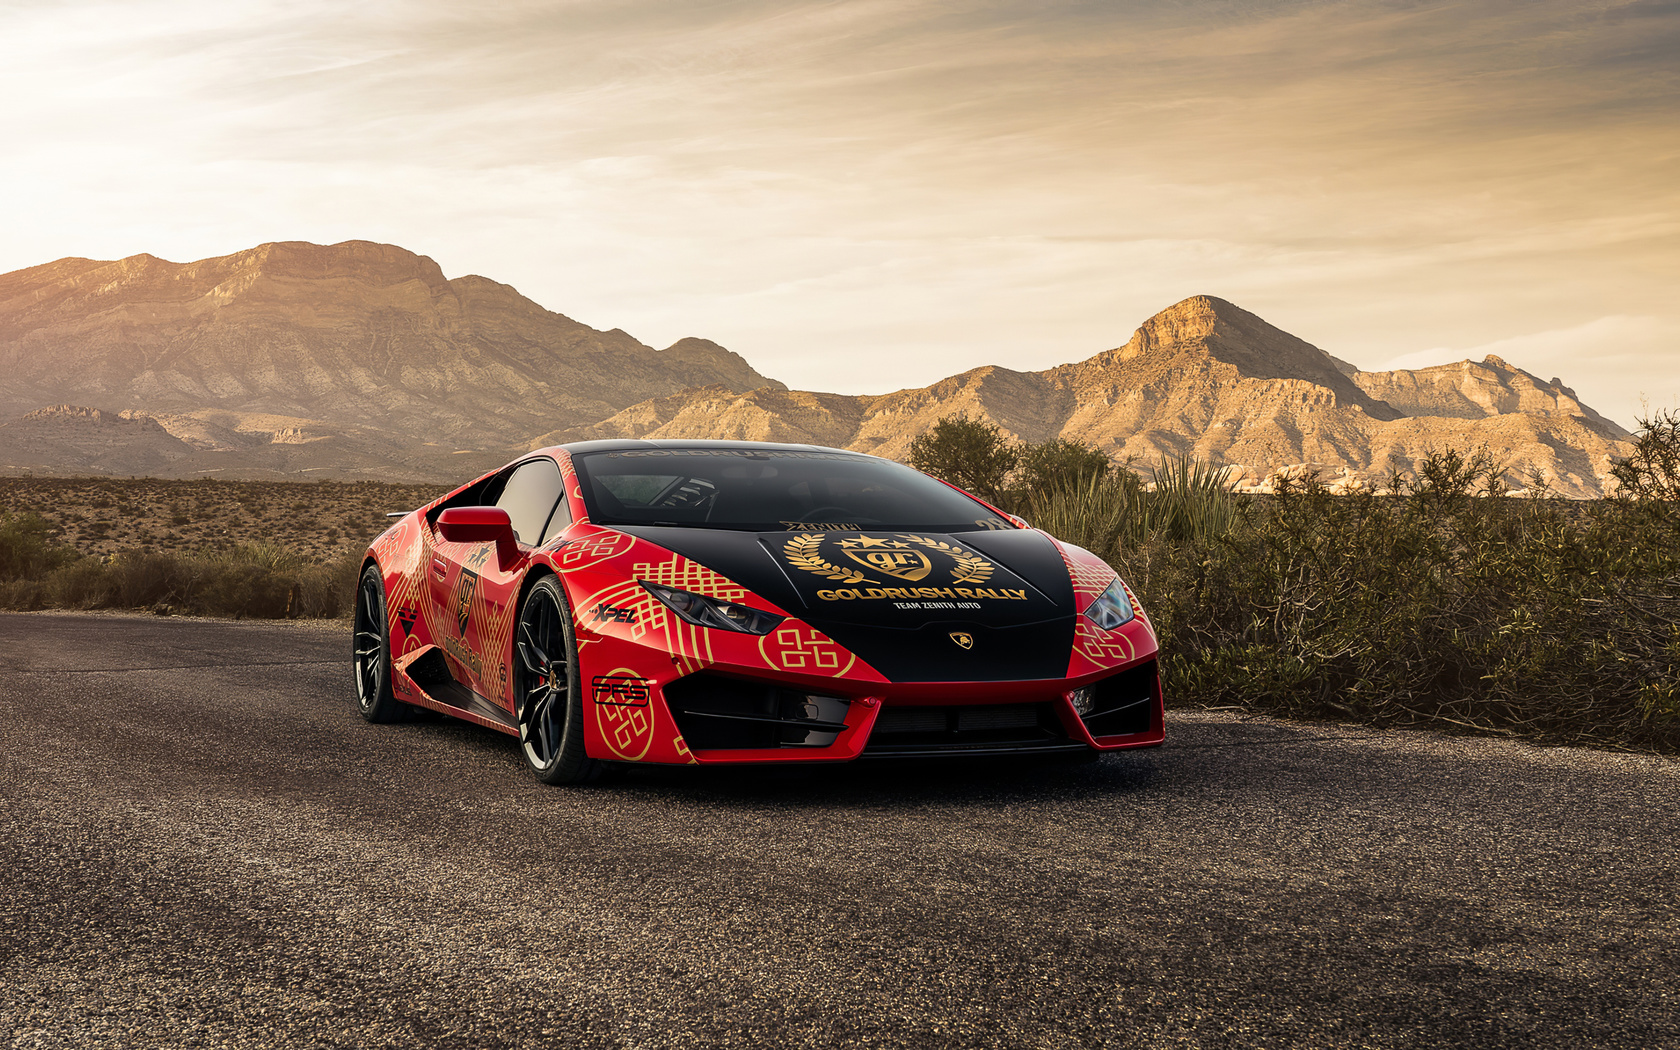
x=201, y=845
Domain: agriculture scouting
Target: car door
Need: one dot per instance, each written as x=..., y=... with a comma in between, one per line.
x=476, y=589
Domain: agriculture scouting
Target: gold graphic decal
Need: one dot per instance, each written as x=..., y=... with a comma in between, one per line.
x=963, y=638
x=465, y=588
x=805, y=552
x=949, y=573
x=1101, y=647
x=627, y=731
x=971, y=568
x=680, y=746
x=906, y=557
x=806, y=650
x=893, y=557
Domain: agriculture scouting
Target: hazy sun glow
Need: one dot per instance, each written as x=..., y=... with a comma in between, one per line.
x=861, y=196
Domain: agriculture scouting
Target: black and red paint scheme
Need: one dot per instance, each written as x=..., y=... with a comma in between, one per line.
x=740, y=602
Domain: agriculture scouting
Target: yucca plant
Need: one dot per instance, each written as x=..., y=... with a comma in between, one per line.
x=1188, y=502
x=1191, y=502
x=1092, y=513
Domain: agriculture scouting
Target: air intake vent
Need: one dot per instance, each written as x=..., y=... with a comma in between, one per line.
x=1123, y=704
x=967, y=729
x=716, y=712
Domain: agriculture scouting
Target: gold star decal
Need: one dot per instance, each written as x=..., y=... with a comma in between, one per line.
x=870, y=541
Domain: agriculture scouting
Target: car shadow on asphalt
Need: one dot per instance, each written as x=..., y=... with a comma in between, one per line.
x=988, y=781
x=1192, y=742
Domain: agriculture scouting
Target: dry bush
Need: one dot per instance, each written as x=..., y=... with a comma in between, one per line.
x=251, y=580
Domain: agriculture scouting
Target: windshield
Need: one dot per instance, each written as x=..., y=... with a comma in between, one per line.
x=770, y=491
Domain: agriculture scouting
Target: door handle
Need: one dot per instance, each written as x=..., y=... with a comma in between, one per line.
x=440, y=568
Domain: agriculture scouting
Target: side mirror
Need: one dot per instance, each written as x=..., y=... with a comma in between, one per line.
x=480, y=525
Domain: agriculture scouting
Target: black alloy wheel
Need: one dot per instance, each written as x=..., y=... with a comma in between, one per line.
x=371, y=652
x=546, y=684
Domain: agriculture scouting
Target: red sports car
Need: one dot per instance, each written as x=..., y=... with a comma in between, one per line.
x=726, y=602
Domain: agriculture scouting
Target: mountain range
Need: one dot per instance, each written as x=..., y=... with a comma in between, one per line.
x=362, y=360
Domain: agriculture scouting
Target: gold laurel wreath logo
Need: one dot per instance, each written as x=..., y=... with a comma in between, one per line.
x=804, y=552
x=971, y=568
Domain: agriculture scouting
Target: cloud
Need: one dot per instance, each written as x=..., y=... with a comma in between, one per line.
x=861, y=195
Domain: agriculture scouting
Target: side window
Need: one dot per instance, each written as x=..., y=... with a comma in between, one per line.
x=557, y=521
x=528, y=496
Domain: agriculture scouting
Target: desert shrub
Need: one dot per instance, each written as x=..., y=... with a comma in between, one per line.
x=27, y=548
x=329, y=589
x=1106, y=513
x=21, y=594
x=247, y=580
x=1435, y=606
x=143, y=579
x=264, y=580
x=251, y=579
x=969, y=453
x=1056, y=465
x=1652, y=473
x=1446, y=603
x=1079, y=487
x=81, y=584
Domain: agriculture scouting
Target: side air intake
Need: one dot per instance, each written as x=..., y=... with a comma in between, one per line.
x=1122, y=704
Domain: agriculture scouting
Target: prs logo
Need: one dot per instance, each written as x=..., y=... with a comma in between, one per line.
x=616, y=614
x=620, y=689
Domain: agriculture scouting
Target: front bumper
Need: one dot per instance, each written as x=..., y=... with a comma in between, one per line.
x=729, y=719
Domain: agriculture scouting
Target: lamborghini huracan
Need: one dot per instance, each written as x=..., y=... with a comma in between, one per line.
x=710, y=602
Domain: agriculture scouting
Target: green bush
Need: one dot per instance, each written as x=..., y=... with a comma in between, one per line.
x=1191, y=503
x=27, y=549
x=1053, y=466
x=968, y=453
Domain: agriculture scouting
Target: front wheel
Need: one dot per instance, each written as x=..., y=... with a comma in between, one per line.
x=545, y=681
x=371, y=652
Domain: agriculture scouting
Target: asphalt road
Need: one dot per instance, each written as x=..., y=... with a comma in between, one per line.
x=201, y=845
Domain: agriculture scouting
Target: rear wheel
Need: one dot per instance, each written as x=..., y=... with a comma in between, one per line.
x=371, y=652
x=546, y=683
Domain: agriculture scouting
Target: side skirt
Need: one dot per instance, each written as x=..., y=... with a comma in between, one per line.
x=427, y=674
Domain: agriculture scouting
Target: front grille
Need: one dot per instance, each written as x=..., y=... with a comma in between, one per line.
x=1123, y=704
x=967, y=729
x=716, y=712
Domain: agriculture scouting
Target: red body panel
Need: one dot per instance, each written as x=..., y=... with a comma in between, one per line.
x=462, y=600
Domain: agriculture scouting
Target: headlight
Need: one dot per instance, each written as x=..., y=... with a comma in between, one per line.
x=1112, y=608
x=702, y=611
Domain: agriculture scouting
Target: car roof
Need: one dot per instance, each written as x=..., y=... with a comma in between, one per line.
x=628, y=444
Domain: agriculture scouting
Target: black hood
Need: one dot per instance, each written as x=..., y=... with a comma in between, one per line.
x=917, y=606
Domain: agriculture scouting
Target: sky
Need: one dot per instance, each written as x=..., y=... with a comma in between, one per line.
x=868, y=195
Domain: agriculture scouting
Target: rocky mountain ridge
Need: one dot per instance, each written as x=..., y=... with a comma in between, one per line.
x=357, y=334
x=363, y=360
x=1202, y=378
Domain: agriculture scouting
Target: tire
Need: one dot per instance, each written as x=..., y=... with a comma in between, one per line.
x=549, y=693
x=370, y=652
